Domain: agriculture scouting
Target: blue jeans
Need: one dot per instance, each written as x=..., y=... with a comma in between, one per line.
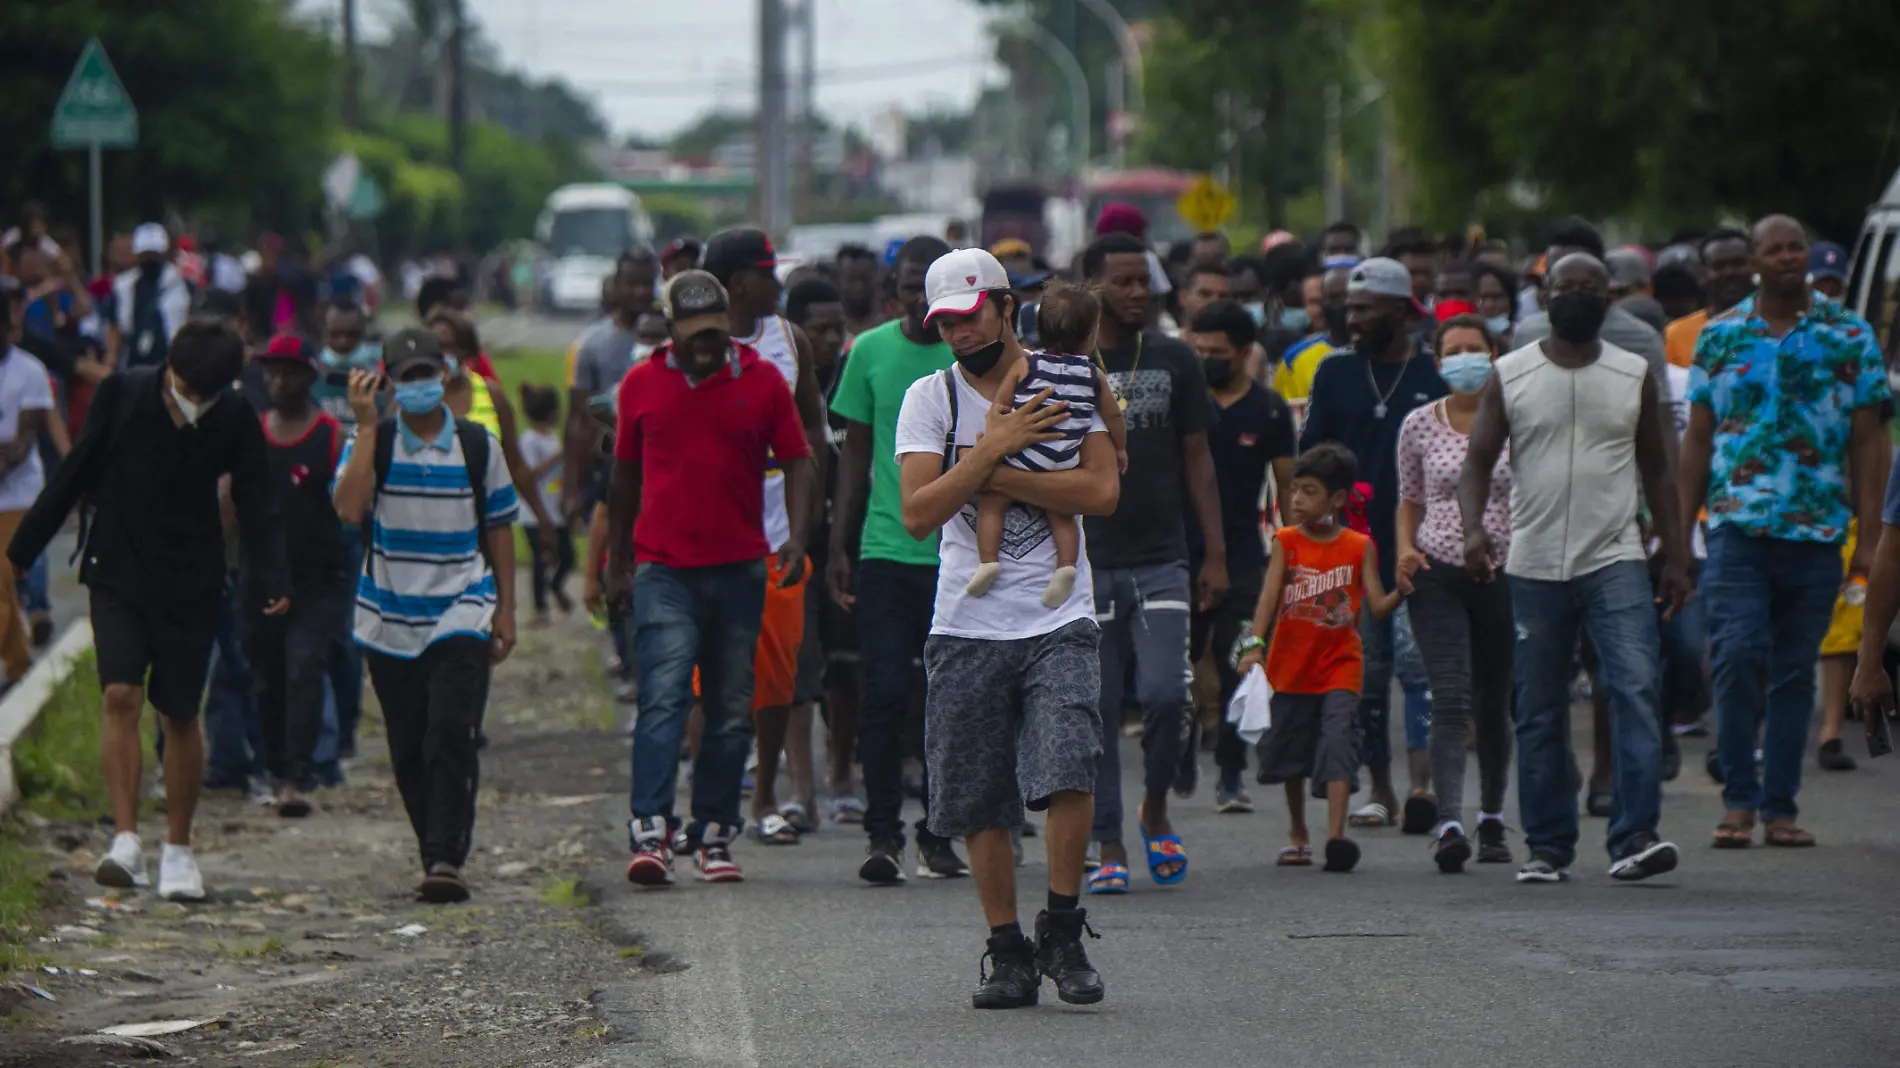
x=1685, y=663
x=35, y=594
x=1143, y=613
x=685, y=617
x=1375, y=695
x=1616, y=604
x=232, y=729
x=1770, y=601
x=1410, y=667
x=345, y=670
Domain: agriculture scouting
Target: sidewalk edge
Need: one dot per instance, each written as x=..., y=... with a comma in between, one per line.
x=23, y=704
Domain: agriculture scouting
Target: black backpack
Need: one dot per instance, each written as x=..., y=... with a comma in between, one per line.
x=474, y=438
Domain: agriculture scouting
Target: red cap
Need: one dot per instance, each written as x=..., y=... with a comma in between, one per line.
x=290, y=347
x=1120, y=218
x=1446, y=309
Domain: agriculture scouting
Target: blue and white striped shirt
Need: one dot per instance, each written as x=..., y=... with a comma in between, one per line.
x=427, y=579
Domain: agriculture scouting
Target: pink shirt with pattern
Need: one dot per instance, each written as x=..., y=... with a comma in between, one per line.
x=1431, y=455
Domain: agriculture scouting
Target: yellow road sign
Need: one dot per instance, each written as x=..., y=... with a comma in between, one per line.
x=1206, y=205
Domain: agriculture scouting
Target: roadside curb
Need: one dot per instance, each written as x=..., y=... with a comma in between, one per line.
x=22, y=705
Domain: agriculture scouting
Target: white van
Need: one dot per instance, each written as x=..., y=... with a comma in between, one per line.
x=1873, y=283
x=585, y=229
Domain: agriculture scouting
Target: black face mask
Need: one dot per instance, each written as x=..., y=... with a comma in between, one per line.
x=1220, y=373
x=1377, y=338
x=1335, y=312
x=151, y=268
x=1577, y=317
x=979, y=363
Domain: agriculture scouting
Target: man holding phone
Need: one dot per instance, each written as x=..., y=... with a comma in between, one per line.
x=1872, y=691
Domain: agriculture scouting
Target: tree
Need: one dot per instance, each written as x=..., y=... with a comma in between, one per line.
x=236, y=108
x=1668, y=114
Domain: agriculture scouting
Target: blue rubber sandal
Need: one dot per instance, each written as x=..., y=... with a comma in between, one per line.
x=1109, y=879
x=1165, y=849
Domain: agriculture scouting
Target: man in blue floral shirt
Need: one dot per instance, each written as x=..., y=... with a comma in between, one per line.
x=1790, y=411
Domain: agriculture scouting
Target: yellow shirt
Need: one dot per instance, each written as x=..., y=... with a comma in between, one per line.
x=1293, y=374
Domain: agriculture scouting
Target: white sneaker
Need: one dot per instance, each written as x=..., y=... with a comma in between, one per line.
x=124, y=864
x=178, y=878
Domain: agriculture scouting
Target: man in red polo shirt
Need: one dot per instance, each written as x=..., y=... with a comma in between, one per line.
x=695, y=423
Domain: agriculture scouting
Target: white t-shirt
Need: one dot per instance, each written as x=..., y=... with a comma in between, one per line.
x=23, y=388
x=1012, y=608
x=536, y=447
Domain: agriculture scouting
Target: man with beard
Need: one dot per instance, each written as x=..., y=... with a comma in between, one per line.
x=1143, y=590
x=1360, y=399
x=1585, y=425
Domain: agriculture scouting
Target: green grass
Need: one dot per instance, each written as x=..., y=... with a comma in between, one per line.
x=269, y=947
x=566, y=894
x=56, y=764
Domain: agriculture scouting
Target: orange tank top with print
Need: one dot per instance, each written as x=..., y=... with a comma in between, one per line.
x=1316, y=639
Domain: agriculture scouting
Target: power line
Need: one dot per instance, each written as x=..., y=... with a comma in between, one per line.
x=849, y=75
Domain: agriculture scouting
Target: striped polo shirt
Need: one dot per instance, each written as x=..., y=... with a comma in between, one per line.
x=426, y=578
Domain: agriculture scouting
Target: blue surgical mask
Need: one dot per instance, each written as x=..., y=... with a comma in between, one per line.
x=419, y=398
x=1258, y=311
x=1295, y=319
x=366, y=355
x=1499, y=325
x=1466, y=372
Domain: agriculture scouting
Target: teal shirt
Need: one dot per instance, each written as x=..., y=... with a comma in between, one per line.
x=882, y=365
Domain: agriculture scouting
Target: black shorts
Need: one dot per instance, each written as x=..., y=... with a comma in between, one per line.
x=166, y=650
x=1313, y=736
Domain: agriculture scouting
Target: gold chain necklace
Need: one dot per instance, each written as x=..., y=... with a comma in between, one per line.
x=1121, y=394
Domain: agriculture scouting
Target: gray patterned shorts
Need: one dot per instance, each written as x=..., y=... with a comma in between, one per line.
x=1009, y=723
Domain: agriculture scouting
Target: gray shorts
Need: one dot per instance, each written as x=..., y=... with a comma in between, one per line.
x=1314, y=736
x=1007, y=724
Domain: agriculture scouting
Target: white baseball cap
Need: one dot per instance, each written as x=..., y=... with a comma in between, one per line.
x=957, y=284
x=150, y=237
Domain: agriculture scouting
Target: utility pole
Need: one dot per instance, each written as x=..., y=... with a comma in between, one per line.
x=352, y=117
x=807, y=104
x=458, y=87
x=774, y=162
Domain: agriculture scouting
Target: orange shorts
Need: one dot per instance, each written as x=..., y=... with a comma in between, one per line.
x=781, y=632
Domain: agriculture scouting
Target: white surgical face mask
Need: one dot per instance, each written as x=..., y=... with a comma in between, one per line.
x=190, y=409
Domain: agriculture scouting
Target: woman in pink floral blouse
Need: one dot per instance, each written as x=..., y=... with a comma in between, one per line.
x=1462, y=621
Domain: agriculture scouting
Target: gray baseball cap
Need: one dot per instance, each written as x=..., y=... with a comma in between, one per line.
x=1628, y=268
x=1384, y=277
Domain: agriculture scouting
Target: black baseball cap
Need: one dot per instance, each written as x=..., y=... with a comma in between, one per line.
x=407, y=348
x=695, y=301
x=730, y=251
x=687, y=247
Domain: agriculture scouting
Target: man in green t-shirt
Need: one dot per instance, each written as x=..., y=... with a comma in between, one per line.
x=896, y=588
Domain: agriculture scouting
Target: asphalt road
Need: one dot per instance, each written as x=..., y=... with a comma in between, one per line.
x=1759, y=958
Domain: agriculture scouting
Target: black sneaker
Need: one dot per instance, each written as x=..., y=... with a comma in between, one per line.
x=1671, y=756
x=936, y=859
x=1060, y=955
x=883, y=862
x=42, y=633
x=1645, y=856
x=1451, y=851
x=1491, y=845
x=1010, y=981
x=1542, y=869
x=1833, y=758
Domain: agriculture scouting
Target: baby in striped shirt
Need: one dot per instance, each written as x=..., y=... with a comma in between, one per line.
x=1066, y=325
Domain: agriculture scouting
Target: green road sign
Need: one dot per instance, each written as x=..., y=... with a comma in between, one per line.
x=94, y=108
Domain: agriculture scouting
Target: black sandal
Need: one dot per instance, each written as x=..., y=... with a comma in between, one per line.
x=1421, y=814
x=1342, y=854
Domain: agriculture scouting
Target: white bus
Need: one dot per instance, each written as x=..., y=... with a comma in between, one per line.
x=585, y=228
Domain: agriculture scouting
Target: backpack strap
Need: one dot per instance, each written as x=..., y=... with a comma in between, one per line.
x=475, y=439
x=386, y=431
x=950, y=435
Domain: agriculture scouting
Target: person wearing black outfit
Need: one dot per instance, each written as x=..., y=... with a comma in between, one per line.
x=289, y=653
x=1360, y=398
x=1250, y=434
x=148, y=461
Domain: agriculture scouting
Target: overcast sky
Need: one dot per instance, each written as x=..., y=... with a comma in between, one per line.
x=654, y=66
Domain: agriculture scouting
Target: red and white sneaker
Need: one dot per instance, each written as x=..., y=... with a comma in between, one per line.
x=714, y=856
x=652, y=863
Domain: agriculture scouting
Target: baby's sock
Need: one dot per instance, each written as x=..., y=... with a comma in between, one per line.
x=986, y=573
x=1061, y=584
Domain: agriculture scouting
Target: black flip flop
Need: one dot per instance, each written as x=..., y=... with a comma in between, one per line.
x=443, y=888
x=1421, y=815
x=1342, y=854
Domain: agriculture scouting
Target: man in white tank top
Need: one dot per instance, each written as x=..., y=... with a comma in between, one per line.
x=744, y=261
x=1587, y=430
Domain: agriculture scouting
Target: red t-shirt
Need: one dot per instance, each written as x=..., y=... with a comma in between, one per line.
x=702, y=450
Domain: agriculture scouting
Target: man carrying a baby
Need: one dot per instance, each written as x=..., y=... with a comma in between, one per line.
x=1010, y=717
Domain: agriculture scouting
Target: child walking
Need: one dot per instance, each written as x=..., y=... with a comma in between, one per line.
x=1306, y=632
x=1065, y=324
x=541, y=450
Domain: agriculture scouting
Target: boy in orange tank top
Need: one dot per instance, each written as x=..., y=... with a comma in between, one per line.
x=1306, y=635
